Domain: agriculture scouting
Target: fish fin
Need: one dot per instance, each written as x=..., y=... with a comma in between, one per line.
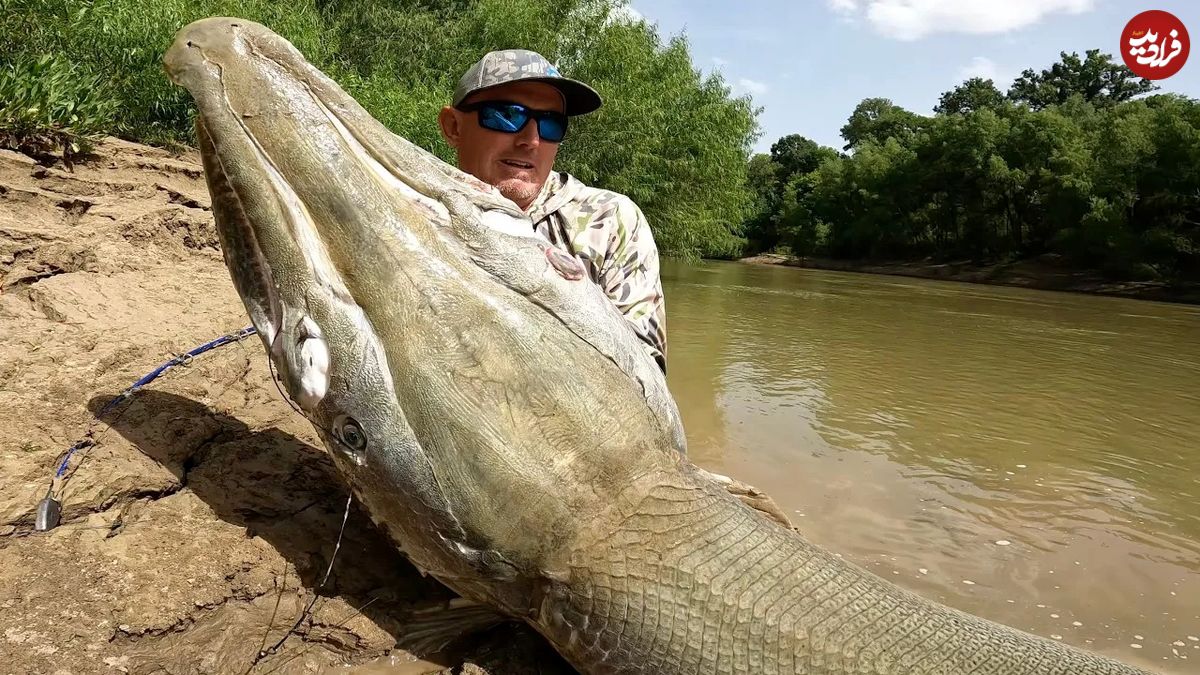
x=487, y=563
x=432, y=629
x=750, y=496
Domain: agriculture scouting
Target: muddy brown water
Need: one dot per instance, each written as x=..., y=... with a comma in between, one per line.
x=1027, y=456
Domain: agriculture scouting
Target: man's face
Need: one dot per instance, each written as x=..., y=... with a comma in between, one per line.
x=517, y=164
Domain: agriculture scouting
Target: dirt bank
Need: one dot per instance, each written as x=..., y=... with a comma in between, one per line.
x=1046, y=273
x=199, y=524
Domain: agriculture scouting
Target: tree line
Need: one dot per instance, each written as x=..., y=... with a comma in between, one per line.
x=673, y=139
x=1080, y=160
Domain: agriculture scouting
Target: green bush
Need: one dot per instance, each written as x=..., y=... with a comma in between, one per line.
x=672, y=139
x=122, y=42
x=49, y=105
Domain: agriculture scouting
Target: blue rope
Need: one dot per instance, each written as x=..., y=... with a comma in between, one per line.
x=153, y=375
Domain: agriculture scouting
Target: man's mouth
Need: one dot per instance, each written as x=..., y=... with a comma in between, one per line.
x=516, y=163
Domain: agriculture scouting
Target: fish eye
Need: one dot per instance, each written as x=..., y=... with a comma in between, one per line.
x=350, y=432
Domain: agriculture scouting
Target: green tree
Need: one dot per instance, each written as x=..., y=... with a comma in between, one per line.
x=1097, y=78
x=972, y=95
x=865, y=200
x=797, y=224
x=879, y=119
x=1082, y=169
x=796, y=154
x=782, y=213
x=674, y=140
x=760, y=232
x=1052, y=153
x=1147, y=173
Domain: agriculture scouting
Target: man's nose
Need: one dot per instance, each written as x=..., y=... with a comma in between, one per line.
x=528, y=136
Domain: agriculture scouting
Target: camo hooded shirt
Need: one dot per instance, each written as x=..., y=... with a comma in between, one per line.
x=608, y=233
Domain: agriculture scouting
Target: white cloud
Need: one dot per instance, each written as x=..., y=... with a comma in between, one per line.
x=980, y=66
x=915, y=19
x=752, y=86
x=718, y=61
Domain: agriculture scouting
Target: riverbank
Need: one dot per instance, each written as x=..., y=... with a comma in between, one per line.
x=197, y=526
x=1044, y=273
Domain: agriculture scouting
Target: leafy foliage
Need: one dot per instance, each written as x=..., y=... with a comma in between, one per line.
x=676, y=142
x=878, y=119
x=48, y=106
x=1067, y=163
x=1097, y=78
x=973, y=95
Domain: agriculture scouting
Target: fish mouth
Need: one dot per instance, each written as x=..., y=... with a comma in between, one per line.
x=240, y=246
x=265, y=132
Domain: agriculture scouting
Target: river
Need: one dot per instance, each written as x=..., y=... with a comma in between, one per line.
x=1027, y=456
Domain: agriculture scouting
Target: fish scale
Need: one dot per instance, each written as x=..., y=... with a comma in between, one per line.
x=792, y=609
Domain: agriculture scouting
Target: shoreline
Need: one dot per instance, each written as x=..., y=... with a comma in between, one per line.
x=1043, y=273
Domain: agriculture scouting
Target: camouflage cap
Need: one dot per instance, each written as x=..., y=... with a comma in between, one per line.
x=511, y=65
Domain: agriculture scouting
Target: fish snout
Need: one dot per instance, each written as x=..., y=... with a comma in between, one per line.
x=207, y=46
x=197, y=44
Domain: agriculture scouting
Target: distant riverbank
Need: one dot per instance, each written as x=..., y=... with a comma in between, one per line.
x=1040, y=273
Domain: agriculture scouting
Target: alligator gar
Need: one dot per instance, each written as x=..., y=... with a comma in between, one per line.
x=496, y=416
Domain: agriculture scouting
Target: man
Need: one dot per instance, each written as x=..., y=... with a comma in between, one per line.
x=506, y=121
x=508, y=116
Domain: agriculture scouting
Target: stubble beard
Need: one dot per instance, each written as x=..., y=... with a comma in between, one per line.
x=517, y=190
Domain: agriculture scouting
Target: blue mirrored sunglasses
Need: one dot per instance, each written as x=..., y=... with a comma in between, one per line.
x=509, y=118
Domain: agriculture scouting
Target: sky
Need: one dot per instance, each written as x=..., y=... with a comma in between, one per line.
x=807, y=63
